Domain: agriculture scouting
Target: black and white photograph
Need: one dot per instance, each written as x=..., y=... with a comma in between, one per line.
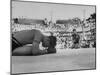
x=52, y=37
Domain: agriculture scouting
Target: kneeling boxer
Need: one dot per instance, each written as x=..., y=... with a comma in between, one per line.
x=35, y=37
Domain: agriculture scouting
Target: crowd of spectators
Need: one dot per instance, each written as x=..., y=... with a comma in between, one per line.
x=64, y=40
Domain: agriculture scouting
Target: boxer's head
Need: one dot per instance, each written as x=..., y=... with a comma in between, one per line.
x=46, y=41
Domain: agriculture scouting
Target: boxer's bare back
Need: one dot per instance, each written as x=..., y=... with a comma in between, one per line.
x=28, y=36
x=33, y=37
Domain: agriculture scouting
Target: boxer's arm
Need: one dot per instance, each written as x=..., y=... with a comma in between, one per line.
x=36, y=50
x=35, y=45
x=36, y=40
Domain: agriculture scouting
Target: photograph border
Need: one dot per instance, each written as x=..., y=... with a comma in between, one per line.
x=48, y=3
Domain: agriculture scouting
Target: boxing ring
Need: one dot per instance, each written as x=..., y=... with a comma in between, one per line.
x=64, y=59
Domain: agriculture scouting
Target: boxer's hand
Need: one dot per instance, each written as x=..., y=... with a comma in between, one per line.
x=35, y=44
